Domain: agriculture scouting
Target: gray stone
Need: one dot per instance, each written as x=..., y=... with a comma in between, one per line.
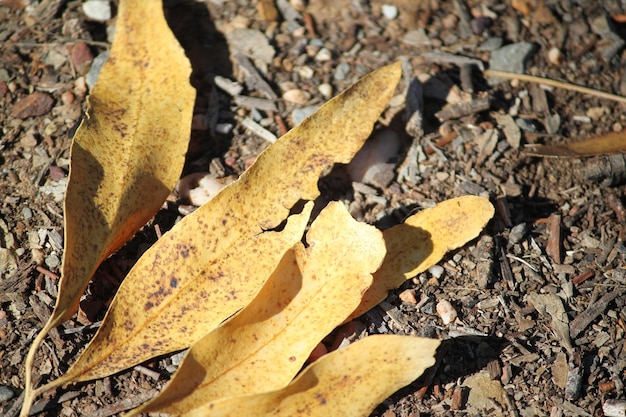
x=341, y=72
x=6, y=393
x=510, y=58
x=517, y=233
x=96, y=67
x=298, y=115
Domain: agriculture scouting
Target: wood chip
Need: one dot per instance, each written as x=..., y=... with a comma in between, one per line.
x=585, y=318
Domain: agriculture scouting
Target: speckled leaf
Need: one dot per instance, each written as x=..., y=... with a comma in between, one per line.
x=347, y=382
x=263, y=346
x=129, y=150
x=213, y=262
x=423, y=239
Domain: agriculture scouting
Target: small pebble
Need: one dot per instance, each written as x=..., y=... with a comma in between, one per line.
x=323, y=55
x=52, y=261
x=199, y=188
x=96, y=67
x=98, y=10
x=296, y=96
x=67, y=97
x=408, y=296
x=326, y=90
x=306, y=72
x=446, y=311
x=555, y=56
x=517, y=233
x=510, y=58
x=298, y=115
x=341, y=72
x=436, y=271
x=6, y=393
x=27, y=212
x=390, y=11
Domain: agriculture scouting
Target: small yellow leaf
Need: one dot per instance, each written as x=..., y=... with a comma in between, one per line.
x=347, y=382
x=423, y=239
x=127, y=153
x=263, y=346
x=213, y=262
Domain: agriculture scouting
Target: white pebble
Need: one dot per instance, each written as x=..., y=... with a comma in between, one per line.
x=306, y=72
x=555, y=56
x=390, y=11
x=296, y=96
x=326, y=90
x=199, y=188
x=436, y=271
x=446, y=311
x=98, y=10
x=323, y=55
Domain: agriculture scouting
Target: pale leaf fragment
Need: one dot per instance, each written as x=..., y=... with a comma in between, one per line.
x=127, y=153
x=552, y=305
x=347, y=382
x=263, y=346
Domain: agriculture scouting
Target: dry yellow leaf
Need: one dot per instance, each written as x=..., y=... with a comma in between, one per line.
x=347, y=382
x=263, y=346
x=423, y=239
x=215, y=260
x=127, y=153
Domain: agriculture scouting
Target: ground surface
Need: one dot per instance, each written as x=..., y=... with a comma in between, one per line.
x=557, y=238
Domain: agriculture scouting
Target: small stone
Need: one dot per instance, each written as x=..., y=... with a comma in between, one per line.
x=35, y=104
x=594, y=113
x=389, y=11
x=323, y=55
x=341, y=72
x=27, y=213
x=446, y=311
x=6, y=393
x=326, y=90
x=417, y=37
x=81, y=57
x=98, y=10
x=306, y=72
x=200, y=187
x=298, y=115
x=67, y=97
x=296, y=96
x=96, y=67
x=555, y=56
x=510, y=58
x=436, y=271
x=52, y=261
x=408, y=296
x=299, y=5
x=517, y=233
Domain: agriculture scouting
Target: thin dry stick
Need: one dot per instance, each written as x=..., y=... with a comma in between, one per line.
x=554, y=83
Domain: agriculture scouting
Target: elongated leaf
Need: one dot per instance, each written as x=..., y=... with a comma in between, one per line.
x=611, y=143
x=423, y=239
x=347, y=382
x=209, y=265
x=127, y=153
x=263, y=346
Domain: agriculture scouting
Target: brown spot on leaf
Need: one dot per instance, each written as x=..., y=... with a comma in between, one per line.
x=173, y=282
x=148, y=305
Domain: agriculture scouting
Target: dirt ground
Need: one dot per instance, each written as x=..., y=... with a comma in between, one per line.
x=556, y=244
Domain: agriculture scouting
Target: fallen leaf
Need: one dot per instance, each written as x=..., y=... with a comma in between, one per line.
x=213, y=262
x=423, y=239
x=127, y=153
x=347, y=382
x=611, y=143
x=263, y=346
